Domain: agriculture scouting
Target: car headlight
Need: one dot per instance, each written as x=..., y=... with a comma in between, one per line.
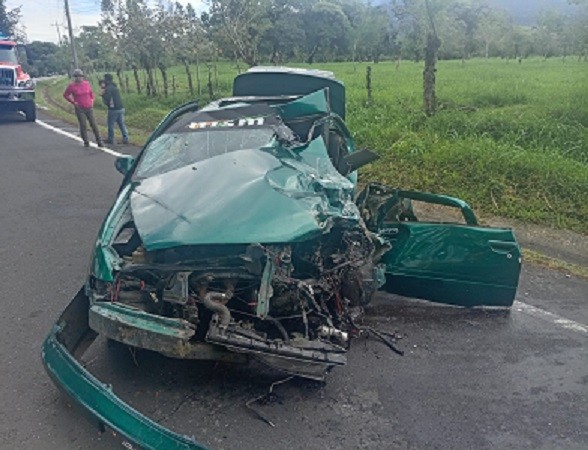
x=27, y=84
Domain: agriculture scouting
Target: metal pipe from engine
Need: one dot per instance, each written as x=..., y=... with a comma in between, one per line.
x=280, y=327
x=223, y=312
x=326, y=331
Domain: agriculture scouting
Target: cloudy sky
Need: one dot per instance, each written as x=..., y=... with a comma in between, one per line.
x=40, y=16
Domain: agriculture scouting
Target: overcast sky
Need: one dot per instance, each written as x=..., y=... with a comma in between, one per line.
x=40, y=16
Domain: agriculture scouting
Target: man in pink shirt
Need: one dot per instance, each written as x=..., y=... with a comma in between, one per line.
x=79, y=93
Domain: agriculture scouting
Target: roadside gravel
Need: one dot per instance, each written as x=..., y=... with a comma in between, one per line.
x=564, y=245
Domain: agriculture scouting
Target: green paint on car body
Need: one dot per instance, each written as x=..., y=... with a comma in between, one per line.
x=252, y=197
x=69, y=337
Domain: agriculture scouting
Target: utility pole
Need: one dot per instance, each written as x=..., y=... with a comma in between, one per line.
x=72, y=44
x=56, y=25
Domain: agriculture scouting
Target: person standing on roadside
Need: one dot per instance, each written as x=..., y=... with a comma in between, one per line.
x=116, y=111
x=79, y=93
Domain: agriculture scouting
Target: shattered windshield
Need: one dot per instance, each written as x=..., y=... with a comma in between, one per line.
x=174, y=150
x=200, y=135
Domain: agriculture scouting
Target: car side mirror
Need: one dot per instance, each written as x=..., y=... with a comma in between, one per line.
x=358, y=159
x=124, y=163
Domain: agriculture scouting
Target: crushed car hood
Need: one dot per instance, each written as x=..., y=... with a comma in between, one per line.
x=265, y=198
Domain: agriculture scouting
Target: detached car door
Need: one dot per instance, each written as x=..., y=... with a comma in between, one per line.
x=447, y=262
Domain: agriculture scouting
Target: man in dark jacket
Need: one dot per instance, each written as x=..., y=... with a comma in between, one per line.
x=116, y=111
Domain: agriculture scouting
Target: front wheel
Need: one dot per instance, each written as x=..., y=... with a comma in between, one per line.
x=30, y=112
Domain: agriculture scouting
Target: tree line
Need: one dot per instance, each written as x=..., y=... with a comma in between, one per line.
x=147, y=39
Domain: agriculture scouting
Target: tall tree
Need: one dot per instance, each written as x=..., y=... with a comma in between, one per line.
x=94, y=52
x=9, y=21
x=421, y=16
x=577, y=31
x=45, y=58
x=548, y=33
x=283, y=15
x=241, y=24
x=373, y=35
x=409, y=23
x=327, y=30
x=188, y=41
x=492, y=27
x=467, y=17
x=115, y=24
x=136, y=30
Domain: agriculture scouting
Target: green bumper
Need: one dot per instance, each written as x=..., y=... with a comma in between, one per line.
x=70, y=337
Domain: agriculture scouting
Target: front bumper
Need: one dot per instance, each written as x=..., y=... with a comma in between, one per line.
x=68, y=340
x=12, y=99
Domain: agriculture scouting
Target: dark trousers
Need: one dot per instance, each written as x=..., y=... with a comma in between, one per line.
x=87, y=115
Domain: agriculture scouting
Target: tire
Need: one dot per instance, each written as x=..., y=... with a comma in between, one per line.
x=30, y=112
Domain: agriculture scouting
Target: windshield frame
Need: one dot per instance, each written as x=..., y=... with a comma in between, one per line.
x=8, y=50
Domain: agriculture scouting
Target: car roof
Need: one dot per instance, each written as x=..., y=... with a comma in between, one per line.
x=282, y=81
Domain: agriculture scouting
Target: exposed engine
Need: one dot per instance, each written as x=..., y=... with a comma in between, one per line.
x=291, y=306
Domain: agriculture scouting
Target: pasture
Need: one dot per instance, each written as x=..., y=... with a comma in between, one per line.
x=510, y=138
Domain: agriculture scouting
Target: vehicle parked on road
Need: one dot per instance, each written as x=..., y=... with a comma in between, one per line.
x=17, y=88
x=237, y=234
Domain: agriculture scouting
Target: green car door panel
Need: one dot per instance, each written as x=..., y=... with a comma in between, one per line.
x=456, y=264
x=453, y=263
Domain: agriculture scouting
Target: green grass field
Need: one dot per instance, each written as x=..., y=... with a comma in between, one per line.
x=509, y=138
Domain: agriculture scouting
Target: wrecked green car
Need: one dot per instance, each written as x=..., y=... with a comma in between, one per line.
x=238, y=233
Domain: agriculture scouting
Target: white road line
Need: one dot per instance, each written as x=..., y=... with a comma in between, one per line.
x=554, y=318
x=73, y=136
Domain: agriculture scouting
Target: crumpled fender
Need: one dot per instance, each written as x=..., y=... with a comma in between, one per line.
x=68, y=339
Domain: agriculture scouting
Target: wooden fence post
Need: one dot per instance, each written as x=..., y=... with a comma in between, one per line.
x=368, y=83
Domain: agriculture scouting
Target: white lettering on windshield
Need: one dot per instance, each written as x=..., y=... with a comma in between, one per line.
x=245, y=122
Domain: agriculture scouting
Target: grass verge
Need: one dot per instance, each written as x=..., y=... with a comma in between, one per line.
x=511, y=139
x=538, y=259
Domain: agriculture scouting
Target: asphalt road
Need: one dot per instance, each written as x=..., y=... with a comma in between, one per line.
x=469, y=379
